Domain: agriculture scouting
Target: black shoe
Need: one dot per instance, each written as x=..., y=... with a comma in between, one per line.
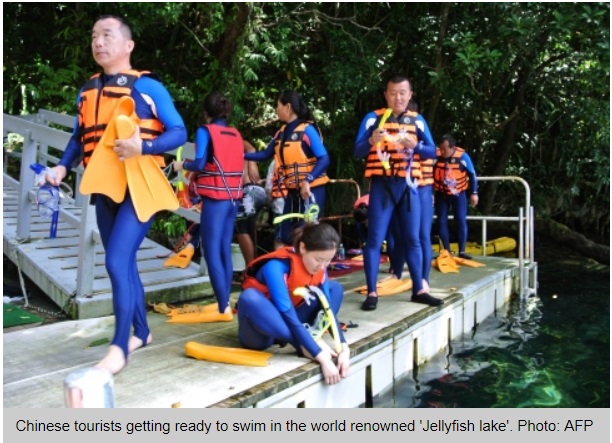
x=369, y=303
x=464, y=255
x=427, y=299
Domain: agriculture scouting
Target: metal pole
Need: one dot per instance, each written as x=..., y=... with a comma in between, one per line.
x=521, y=255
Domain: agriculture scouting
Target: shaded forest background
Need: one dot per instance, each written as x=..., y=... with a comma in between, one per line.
x=524, y=87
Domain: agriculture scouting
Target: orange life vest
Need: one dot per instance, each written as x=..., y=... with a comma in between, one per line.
x=97, y=103
x=398, y=160
x=427, y=171
x=292, y=164
x=279, y=190
x=298, y=275
x=448, y=176
x=221, y=179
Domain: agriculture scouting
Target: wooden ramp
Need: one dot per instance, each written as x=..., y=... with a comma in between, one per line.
x=52, y=264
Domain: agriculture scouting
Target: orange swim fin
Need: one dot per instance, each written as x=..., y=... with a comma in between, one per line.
x=105, y=173
x=201, y=316
x=181, y=259
x=445, y=263
x=150, y=190
x=219, y=354
x=388, y=286
x=468, y=262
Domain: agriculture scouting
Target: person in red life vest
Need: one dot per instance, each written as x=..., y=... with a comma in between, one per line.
x=160, y=129
x=219, y=166
x=454, y=179
x=300, y=157
x=269, y=312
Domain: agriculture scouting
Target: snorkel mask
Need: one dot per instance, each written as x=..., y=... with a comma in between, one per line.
x=47, y=198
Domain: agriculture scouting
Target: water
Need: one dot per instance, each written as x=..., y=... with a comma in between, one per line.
x=551, y=351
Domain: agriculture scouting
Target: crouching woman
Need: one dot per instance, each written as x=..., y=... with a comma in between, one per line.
x=269, y=311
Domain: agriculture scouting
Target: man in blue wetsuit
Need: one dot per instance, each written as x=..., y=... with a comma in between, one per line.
x=392, y=149
x=160, y=129
x=454, y=180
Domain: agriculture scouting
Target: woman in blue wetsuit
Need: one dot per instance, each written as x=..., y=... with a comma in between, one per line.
x=219, y=167
x=269, y=312
x=301, y=159
x=161, y=129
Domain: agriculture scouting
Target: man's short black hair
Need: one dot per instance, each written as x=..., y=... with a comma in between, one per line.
x=450, y=139
x=398, y=78
x=123, y=26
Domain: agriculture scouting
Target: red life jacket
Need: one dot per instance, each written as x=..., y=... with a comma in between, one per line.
x=97, y=102
x=221, y=179
x=298, y=275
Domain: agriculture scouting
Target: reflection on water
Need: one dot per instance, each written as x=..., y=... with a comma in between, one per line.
x=552, y=350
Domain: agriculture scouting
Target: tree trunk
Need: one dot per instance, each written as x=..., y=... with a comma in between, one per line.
x=562, y=234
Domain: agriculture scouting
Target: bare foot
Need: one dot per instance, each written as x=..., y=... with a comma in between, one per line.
x=114, y=361
x=135, y=343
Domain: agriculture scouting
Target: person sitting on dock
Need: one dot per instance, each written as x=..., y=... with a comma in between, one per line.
x=160, y=129
x=454, y=179
x=270, y=311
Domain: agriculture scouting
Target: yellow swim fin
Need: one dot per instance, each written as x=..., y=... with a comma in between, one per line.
x=150, y=190
x=181, y=259
x=394, y=286
x=388, y=286
x=201, y=316
x=468, y=262
x=235, y=356
x=445, y=263
x=105, y=173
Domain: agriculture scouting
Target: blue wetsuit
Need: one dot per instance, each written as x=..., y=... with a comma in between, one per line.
x=313, y=147
x=263, y=321
x=216, y=224
x=425, y=195
x=120, y=230
x=459, y=204
x=392, y=199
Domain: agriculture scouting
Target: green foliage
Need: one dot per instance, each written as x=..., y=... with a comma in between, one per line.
x=168, y=226
x=524, y=87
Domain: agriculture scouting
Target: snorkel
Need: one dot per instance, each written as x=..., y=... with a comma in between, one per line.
x=325, y=321
x=383, y=157
x=310, y=215
x=181, y=194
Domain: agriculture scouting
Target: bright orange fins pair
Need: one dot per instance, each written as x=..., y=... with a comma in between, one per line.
x=220, y=354
x=106, y=174
x=446, y=263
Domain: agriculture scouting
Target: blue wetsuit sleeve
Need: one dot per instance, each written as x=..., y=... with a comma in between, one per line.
x=261, y=155
x=74, y=148
x=362, y=145
x=272, y=274
x=318, y=150
x=466, y=162
x=426, y=147
x=202, y=140
x=175, y=133
x=72, y=153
